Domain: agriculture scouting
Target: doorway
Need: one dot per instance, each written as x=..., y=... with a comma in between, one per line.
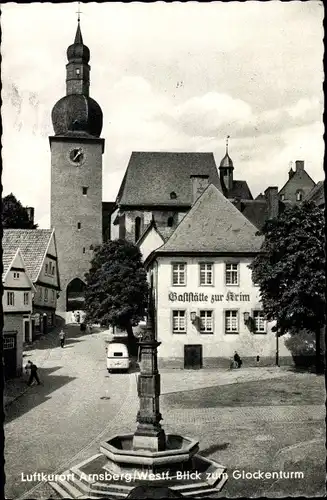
x=193, y=356
x=27, y=332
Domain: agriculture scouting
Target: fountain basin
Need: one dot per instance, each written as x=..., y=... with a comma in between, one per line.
x=122, y=458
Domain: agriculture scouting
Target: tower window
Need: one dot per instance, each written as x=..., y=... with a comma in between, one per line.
x=173, y=195
x=137, y=228
x=83, y=249
x=170, y=221
x=78, y=71
x=78, y=225
x=84, y=190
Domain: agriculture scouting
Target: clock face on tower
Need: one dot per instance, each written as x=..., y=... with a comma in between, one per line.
x=77, y=156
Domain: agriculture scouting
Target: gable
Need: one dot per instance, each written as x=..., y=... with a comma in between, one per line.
x=151, y=241
x=33, y=244
x=214, y=224
x=16, y=275
x=151, y=178
x=300, y=179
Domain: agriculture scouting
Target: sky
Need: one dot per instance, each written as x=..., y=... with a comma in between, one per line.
x=168, y=77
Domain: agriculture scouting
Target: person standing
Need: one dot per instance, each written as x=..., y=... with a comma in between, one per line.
x=62, y=338
x=32, y=368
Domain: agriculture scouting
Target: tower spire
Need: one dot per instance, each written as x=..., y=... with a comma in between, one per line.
x=227, y=144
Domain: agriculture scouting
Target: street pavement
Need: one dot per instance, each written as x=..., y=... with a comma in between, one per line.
x=51, y=427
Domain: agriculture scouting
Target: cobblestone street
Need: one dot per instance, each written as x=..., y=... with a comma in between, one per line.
x=54, y=426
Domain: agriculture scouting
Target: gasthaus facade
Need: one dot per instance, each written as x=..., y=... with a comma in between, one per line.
x=207, y=305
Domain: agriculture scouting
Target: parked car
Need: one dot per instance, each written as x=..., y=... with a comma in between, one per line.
x=117, y=357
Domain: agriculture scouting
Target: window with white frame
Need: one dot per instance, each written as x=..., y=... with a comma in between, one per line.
x=8, y=343
x=26, y=298
x=179, y=273
x=10, y=299
x=206, y=273
x=206, y=321
x=259, y=322
x=231, y=321
x=179, y=321
x=45, y=295
x=16, y=276
x=231, y=274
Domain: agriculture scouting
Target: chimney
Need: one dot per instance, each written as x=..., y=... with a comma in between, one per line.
x=30, y=214
x=271, y=195
x=299, y=165
x=199, y=184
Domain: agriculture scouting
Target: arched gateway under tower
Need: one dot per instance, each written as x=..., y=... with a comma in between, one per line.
x=76, y=175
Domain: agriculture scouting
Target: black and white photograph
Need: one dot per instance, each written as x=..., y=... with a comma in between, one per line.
x=163, y=250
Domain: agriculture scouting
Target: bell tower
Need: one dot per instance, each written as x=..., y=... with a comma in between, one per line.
x=76, y=177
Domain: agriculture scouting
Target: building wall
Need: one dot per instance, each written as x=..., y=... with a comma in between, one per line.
x=14, y=322
x=69, y=207
x=300, y=180
x=218, y=347
x=160, y=217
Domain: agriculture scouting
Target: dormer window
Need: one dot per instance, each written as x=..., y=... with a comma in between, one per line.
x=173, y=195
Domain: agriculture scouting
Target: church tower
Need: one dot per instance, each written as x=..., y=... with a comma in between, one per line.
x=76, y=177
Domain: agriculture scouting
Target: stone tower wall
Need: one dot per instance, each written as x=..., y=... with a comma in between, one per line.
x=69, y=207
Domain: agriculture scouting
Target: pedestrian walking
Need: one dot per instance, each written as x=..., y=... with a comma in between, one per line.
x=32, y=369
x=62, y=338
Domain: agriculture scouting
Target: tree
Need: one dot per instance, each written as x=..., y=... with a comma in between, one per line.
x=290, y=272
x=116, y=287
x=14, y=215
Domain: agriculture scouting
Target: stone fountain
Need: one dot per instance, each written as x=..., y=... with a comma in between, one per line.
x=149, y=456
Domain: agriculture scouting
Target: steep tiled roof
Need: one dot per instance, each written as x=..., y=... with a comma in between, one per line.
x=255, y=211
x=241, y=190
x=7, y=257
x=213, y=224
x=317, y=194
x=32, y=243
x=151, y=177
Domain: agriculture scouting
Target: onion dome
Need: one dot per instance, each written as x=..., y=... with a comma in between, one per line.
x=77, y=113
x=226, y=162
x=78, y=52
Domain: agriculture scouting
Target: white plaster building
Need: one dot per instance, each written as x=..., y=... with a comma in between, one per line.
x=206, y=303
x=17, y=308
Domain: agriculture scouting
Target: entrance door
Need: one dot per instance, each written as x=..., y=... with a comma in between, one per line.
x=27, y=331
x=9, y=355
x=193, y=356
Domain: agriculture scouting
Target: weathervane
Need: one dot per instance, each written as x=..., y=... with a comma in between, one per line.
x=79, y=12
x=227, y=143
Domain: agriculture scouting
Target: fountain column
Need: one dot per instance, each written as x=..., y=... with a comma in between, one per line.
x=149, y=434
